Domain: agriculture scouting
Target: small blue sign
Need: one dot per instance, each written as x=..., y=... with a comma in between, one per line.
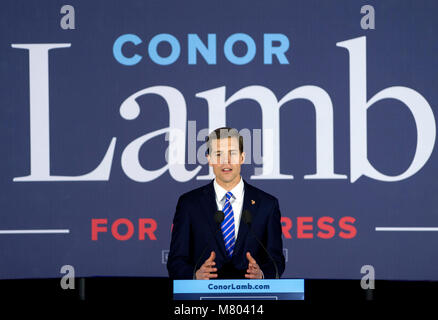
x=267, y=289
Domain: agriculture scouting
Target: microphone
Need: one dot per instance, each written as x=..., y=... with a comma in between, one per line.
x=247, y=218
x=218, y=218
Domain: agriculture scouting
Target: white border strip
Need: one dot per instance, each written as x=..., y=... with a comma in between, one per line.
x=39, y=231
x=255, y=297
x=405, y=229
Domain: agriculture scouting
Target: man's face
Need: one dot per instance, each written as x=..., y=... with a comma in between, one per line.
x=225, y=158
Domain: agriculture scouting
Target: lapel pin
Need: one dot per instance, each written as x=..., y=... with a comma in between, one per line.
x=252, y=201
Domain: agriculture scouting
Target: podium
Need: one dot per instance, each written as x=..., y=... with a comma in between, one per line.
x=249, y=289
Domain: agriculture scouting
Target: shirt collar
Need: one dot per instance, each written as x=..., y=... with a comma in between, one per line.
x=237, y=191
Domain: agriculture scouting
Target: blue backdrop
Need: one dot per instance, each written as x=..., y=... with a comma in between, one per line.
x=65, y=75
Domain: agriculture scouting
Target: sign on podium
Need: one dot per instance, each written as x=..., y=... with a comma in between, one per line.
x=266, y=289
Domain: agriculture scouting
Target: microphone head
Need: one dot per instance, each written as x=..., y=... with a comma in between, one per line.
x=219, y=217
x=247, y=216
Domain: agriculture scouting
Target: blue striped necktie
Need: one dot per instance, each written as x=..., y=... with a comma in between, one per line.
x=227, y=226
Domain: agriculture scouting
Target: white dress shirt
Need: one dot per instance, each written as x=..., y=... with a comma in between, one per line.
x=236, y=201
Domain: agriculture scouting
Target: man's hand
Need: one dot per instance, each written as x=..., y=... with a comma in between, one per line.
x=205, y=271
x=253, y=271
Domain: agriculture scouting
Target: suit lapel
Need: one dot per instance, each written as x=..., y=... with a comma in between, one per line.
x=209, y=204
x=250, y=202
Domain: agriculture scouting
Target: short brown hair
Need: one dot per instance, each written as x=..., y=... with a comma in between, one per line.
x=222, y=133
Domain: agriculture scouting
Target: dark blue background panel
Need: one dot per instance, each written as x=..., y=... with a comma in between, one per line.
x=351, y=114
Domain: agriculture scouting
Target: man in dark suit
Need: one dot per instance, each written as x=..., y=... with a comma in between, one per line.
x=232, y=250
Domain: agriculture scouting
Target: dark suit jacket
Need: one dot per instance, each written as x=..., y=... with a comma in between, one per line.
x=194, y=228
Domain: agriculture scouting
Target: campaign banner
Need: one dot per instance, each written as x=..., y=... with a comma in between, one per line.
x=105, y=106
